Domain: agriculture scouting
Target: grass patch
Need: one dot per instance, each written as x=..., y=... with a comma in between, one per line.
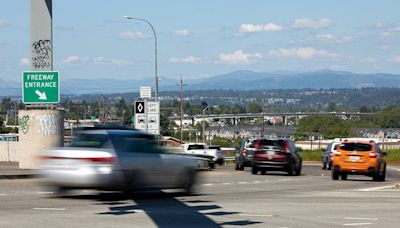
x=311, y=155
x=393, y=156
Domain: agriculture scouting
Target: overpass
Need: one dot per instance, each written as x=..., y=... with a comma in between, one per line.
x=236, y=117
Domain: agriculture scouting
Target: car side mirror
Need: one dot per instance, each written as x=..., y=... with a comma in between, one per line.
x=384, y=153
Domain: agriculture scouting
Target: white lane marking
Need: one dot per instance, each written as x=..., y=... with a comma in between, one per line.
x=255, y=215
x=357, y=224
x=207, y=184
x=266, y=180
x=243, y=182
x=256, y=182
x=225, y=183
x=379, y=188
x=136, y=211
x=44, y=192
x=352, y=218
x=2, y=194
x=396, y=169
x=49, y=209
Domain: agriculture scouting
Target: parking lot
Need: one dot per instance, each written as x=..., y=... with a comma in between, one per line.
x=225, y=198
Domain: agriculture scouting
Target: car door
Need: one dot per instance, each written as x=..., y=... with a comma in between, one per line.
x=139, y=160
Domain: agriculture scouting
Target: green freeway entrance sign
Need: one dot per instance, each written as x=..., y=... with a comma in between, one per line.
x=40, y=87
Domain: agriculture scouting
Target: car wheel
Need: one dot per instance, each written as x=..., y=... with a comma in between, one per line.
x=383, y=175
x=291, y=170
x=344, y=176
x=241, y=166
x=263, y=172
x=254, y=170
x=335, y=174
x=212, y=165
x=297, y=172
x=190, y=182
x=236, y=165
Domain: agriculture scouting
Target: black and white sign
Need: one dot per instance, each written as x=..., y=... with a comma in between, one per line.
x=139, y=107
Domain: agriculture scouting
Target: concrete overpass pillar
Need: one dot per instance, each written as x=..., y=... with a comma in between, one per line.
x=38, y=130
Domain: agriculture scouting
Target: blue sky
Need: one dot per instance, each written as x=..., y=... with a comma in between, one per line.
x=208, y=37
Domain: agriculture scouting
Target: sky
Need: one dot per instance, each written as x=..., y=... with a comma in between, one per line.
x=198, y=39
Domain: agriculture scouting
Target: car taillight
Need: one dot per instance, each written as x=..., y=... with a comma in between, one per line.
x=338, y=154
x=372, y=155
x=244, y=152
x=93, y=159
x=286, y=147
x=330, y=154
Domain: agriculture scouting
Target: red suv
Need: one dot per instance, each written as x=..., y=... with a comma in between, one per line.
x=276, y=154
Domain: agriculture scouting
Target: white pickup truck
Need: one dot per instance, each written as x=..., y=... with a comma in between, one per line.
x=202, y=149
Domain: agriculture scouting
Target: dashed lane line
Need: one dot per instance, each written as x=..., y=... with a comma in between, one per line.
x=378, y=188
x=357, y=224
x=352, y=218
x=49, y=209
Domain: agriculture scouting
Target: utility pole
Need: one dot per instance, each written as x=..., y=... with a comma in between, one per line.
x=181, y=85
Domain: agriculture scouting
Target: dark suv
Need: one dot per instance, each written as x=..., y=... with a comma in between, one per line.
x=244, y=155
x=276, y=154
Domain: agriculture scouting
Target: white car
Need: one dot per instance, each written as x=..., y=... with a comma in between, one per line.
x=110, y=159
x=202, y=149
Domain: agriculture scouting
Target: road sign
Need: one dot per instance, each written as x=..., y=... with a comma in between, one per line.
x=145, y=92
x=147, y=116
x=40, y=87
x=140, y=107
x=153, y=107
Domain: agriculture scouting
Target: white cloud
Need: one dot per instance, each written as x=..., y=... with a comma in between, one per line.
x=132, y=35
x=183, y=32
x=395, y=59
x=24, y=62
x=270, y=27
x=72, y=59
x=187, y=59
x=3, y=23
x=333, y=38
x=103, y=60
x=238, y=57
x=302, y=53
x=308, y=23
x=121, y=62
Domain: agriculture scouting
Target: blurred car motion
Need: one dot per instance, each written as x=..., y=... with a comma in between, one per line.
x=114, y=159
x=359, y=158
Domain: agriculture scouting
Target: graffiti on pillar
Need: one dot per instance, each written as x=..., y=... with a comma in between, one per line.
x=23, y=124
x=41, y=54
x=48, y=124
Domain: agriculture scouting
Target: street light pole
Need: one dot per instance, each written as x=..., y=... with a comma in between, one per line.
x=155, y=52
x=203, y=123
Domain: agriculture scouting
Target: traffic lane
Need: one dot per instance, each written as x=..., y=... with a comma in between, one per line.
x=271, y=204
x=312, y=178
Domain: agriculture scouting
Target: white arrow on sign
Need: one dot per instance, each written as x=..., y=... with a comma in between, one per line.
x=42, y=96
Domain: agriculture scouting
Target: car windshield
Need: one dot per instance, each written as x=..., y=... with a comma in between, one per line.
x=268, y=142
x=89, y=140
x=196, y=147
x=356, y=147
x=215, y=147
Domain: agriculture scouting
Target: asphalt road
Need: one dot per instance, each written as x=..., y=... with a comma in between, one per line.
x=225, y=198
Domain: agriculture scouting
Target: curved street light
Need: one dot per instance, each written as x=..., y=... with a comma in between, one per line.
x=155, y=51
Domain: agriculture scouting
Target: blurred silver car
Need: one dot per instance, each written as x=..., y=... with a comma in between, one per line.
x=110, y=159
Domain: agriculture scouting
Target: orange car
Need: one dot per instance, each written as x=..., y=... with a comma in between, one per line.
x=359, y=158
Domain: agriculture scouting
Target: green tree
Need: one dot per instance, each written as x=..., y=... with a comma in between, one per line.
x=253, y=107
x=389, y=117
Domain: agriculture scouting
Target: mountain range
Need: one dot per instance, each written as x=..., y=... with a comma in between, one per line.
x=237, y=80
